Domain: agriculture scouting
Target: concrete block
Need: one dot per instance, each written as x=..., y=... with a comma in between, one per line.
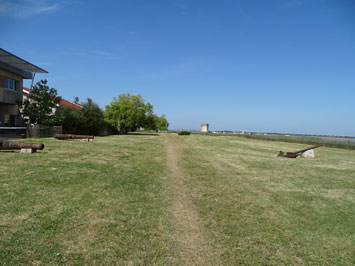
x=28, y=151
x=308, y=154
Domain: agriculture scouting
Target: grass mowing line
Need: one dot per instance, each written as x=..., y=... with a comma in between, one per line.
x=194, y=247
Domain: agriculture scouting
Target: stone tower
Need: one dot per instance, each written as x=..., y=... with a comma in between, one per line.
x=204, y=128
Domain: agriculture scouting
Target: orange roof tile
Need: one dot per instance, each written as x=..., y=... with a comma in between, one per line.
x=63, y=102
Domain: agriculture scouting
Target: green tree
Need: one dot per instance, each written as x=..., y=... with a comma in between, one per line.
x=92, y=118
x=154, y=122
x=130, y=112
x=69, y=119
x=76, y=100
x=41, y=103
x=86, y=120
x=151, y=122
x=162, y=123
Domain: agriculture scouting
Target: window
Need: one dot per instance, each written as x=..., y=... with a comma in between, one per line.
x=6, y=119
x=9, y=120
x=11, y=84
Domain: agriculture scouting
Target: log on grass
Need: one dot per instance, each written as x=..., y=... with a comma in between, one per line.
x=71, y=136
x=4, y=145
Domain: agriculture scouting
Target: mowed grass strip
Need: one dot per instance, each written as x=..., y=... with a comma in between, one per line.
x=77, y=203
x=268, y=210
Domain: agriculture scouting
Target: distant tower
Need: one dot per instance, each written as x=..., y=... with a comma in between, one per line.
x=204, y=128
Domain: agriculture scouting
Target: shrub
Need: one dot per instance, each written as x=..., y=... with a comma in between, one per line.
x=184, y=132
x=88, y=120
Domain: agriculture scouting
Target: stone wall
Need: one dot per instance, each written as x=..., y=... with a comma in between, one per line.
x=38, y=131
x=204, y=128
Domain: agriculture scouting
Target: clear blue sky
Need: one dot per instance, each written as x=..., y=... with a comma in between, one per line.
x=276, y=65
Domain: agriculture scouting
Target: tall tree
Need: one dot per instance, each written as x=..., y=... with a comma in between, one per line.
x=92, y=118
x=128, y=112
x=41, y=103
x=162, y=123
x=154, y=122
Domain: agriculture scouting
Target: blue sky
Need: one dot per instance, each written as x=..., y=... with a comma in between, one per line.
x=276, y=66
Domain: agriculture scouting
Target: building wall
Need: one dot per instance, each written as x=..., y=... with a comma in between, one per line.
x=204, y=127
x=9, y=96
x=9, y=115
x=10, y=100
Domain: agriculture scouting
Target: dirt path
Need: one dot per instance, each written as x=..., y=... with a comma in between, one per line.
x=193, y=245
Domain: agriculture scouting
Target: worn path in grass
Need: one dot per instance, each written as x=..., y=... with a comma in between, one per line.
x=194, y=246
x=265, y=210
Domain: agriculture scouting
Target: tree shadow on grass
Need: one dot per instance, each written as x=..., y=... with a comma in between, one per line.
x=18, y=151
x=142, y=134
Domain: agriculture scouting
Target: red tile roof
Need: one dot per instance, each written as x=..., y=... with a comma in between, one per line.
x=26, y=89
x=63, y=102
x=66, y=103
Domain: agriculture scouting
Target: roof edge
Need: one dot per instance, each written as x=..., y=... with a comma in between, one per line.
x=41, y=70
x=23, y=74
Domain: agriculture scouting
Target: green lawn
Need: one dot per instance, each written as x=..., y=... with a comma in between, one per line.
x=116, y=201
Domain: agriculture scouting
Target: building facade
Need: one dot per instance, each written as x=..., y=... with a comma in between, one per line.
x=10, y=97
x=205, y=128
x=13, y=70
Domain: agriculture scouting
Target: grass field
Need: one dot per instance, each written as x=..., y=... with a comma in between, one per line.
x=176, y=200
x=332, y=142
